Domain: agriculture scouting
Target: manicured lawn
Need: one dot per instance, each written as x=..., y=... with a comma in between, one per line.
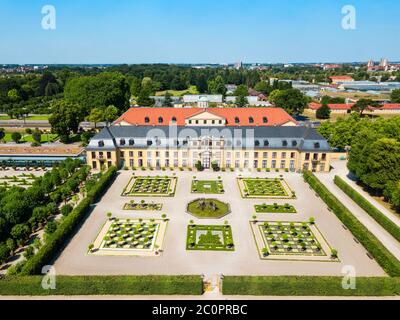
x=208, y=208
x=207, y=186
x=28, y=137
x=150, y=186
x=179, y=93
x=290, y=238
x=209, y=237
x=275, y=208
x=31, y=117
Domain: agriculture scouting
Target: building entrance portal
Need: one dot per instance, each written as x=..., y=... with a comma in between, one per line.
x=206, y=159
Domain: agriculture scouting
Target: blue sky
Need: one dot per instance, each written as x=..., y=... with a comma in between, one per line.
x=195, y=31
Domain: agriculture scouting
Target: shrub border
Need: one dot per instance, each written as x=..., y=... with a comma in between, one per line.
x=104, y=285
x=381, y=254
x=308, y=286
x=374, y=212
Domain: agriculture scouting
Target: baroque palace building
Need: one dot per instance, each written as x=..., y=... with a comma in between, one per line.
x=239, y=138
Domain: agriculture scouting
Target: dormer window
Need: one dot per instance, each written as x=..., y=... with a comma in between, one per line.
x=237, y=120
x=173, y=120
x=238, y=143
x=149, y=142
x=257, y=143
x=160, y=120
x=131, y=142
x=284, y=143
x=251, y=120
x=146, y=119
x=265, y=120
x=316, y=145
x=266, y=143
x=294, y=143
x=122, y=142
x=101, y=143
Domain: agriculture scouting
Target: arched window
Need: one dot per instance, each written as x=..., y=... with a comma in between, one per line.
x=160, y=120
x=237, y=120
x=173, y=119
x=146, y=119
x=251, y=120
x=265, y=120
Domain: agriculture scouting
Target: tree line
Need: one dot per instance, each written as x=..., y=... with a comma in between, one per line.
x=374, y=152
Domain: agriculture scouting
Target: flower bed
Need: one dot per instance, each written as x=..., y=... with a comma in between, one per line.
x=207, y=186
x=275, y=208
x=208, y=208
x=209, y=237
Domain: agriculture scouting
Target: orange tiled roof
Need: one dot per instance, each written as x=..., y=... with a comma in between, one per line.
x=341, y=78
x=275, y=116
x=28, y=150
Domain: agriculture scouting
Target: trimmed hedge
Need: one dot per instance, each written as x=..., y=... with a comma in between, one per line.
x=383, y=256
x=56, y=241
x=104, y=285
x=308, y=286
x=378, y=216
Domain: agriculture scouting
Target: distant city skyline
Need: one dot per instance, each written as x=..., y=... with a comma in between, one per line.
x=198, y=32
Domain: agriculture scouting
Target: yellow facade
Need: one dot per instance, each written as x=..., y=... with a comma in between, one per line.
x=284, y=159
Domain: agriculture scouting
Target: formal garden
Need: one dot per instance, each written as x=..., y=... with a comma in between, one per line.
x=129, y=236
x=265, y=188
x=209, y=237
x=283, y=238
x=151, y=186
x=23, y=180
x=275, y=208
x=208, y=208
x=142, y=205
x=207, y=186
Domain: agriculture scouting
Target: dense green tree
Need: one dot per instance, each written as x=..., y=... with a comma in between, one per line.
x=37, y=136
x=167, y=100
x=362, y=105
x=110, y=114
x=98, y=91
x=66, y=117
x=263, y=87
x=96, y=115
x=20, y=233
x=395, y=96
x=328, y=100
x=291, y=100
x=135, y=86
x=13, y=95
x=323, y=112
x=217, y=86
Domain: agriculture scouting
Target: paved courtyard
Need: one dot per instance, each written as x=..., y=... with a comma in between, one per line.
x=244, y=260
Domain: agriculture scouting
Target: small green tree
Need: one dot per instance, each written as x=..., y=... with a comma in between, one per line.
x=16, y=137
